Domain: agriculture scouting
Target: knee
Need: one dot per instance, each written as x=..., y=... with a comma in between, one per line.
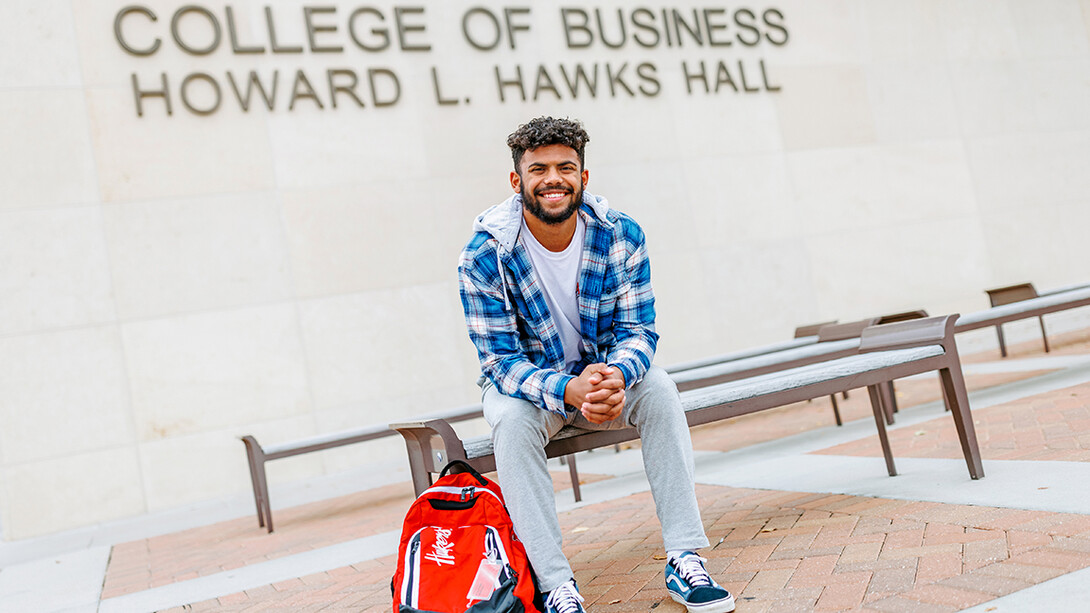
x=516, y=421
x=657, y=398
x=658, y=388
x=658, y=381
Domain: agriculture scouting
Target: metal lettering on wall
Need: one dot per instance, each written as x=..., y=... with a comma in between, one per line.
x=329, y=30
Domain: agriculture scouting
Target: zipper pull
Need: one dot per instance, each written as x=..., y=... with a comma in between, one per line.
x=467, y=492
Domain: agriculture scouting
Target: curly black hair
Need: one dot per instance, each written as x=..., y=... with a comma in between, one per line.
x=542, y=131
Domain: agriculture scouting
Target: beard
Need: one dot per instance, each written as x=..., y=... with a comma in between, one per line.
x=533, y=204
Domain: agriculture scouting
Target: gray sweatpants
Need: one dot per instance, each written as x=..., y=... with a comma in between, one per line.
x=520, y=431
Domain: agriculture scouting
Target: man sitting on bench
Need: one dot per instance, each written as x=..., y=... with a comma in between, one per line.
x=556, y=288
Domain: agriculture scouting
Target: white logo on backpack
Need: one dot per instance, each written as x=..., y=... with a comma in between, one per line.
x=440, y=550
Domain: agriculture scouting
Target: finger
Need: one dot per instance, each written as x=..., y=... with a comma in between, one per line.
x=615, y=413
x=615, y=399
x=611, y=383
x=602, y=393
x=598, y=408
x=595, y=417
x=599, y=395
x=604, y=396
x=601, y=418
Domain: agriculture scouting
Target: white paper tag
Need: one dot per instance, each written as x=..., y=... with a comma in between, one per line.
x=486, y=581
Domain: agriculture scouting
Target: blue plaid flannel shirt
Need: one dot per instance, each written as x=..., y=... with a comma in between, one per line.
x=509, y=322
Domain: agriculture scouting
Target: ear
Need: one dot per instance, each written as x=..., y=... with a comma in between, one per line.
x=516, y=182
x=586, y=177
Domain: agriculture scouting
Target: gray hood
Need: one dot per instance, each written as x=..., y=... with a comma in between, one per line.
x=504, y=221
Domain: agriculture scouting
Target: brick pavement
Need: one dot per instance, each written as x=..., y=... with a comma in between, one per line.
x=776, y=551
x=1050, y=426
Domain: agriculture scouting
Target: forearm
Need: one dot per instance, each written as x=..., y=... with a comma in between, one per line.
x=515, y=375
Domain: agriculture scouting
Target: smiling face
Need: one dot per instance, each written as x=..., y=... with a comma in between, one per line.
x=551, y=181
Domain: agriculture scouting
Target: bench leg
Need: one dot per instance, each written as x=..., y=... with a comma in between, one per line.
x=1043, y=335
x=255, y=456
x=574, y=472
x=265, y=497
x=945, y=401
x=953, y=384
x=417, y=470
x=836, y=411
x=893, y=397
x=886, y=402
x=880, y=421
x=1002, y=342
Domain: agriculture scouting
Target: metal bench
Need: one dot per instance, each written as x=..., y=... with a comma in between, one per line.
x=1021, y=301
x=257, y=456
x=1019, y=293
x=881, y=354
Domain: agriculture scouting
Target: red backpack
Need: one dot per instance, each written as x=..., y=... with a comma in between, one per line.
x=459, y=551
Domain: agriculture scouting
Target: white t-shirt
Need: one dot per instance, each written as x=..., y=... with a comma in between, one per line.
x=558, y=275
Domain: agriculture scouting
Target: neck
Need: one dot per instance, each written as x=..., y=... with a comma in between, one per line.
x=554, y=237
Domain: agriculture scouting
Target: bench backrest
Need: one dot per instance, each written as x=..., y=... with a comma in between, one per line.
x=811, y=329
x=839, y=332
x=893, y=318
x=1011, y=293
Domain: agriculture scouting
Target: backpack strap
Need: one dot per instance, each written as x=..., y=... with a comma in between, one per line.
x=463, y=467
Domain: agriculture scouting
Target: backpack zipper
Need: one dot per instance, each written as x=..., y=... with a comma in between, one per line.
x=409, y=590
x=461, y=491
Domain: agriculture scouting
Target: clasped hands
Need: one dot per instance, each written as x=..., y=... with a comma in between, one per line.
x=598, y=393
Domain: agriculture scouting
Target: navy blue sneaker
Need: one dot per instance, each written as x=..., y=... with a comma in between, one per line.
x=565, y=599
x=690, y=585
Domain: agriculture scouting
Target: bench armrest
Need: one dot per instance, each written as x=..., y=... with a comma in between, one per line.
x=432, y=443
x=912, y=333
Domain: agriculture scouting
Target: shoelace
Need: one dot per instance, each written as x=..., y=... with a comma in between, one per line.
x=691, y=569
x=565, y=599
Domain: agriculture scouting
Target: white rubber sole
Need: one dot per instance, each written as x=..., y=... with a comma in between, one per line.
x=725, y=605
